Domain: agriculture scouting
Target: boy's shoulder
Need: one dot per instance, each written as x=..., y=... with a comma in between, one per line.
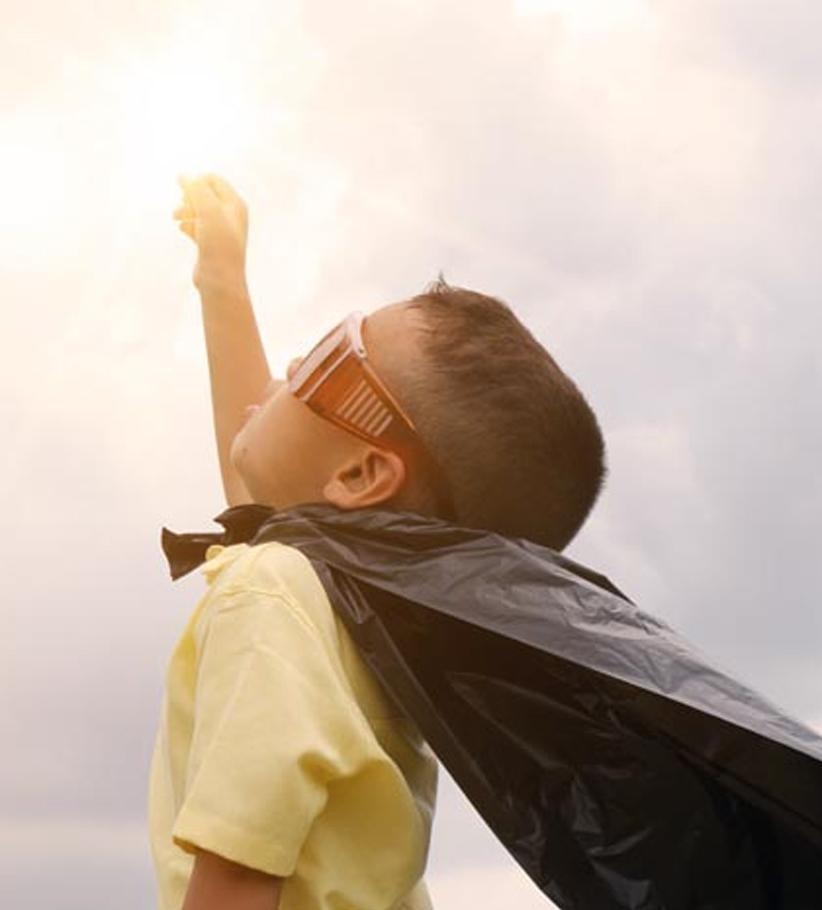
x=269, y=569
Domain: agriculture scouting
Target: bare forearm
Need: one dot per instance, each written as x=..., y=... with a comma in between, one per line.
x=237, y=367
x=218, y=884
x=215, y=217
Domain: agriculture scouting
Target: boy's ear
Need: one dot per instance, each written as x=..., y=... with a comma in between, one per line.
x=367, y=479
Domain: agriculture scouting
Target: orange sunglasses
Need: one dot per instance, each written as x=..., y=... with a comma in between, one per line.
x=337, y=381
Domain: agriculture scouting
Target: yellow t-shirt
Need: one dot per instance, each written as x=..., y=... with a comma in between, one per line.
x=278, y=749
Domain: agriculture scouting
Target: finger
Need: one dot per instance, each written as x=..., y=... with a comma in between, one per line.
x=187, y=228
x=224, y=191
x=183, y=182
x=221, y=187
x=184, y=211
x=199, y=194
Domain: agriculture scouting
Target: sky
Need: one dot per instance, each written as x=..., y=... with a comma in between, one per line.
x=637, y=179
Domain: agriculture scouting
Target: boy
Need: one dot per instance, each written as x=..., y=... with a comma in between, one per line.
x=282, y=776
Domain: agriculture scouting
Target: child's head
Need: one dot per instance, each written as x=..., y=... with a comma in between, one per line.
x=517, y=445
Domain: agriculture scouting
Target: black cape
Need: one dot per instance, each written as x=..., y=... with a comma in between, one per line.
x=617, y=766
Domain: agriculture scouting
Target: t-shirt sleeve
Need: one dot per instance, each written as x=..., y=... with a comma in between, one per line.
x=274, y=725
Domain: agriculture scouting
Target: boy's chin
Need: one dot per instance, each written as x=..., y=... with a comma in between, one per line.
x=237, y=452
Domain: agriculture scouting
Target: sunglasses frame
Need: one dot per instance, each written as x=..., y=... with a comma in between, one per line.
x=337, y=381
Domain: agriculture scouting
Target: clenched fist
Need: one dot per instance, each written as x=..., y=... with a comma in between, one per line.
x=216, y=218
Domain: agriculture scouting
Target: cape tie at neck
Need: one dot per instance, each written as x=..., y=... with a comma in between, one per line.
x=185, y=552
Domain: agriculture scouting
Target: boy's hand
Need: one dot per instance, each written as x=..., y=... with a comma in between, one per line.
x=216, y=219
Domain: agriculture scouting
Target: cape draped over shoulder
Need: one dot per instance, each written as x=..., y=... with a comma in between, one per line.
x=616, y=765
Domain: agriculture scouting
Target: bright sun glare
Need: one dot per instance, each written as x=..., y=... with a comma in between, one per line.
x=115, y=137
x=182, y=112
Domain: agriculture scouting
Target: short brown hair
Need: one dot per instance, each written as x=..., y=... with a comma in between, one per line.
x=517, y=443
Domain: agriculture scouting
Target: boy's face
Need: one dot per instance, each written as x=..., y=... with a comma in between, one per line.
x=286, y=454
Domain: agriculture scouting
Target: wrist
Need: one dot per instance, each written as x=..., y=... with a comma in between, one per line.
x=221, y=284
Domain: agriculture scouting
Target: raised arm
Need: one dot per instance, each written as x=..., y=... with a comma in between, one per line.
x=216, y=219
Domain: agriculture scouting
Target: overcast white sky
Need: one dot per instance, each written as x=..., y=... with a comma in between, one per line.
x=640, y=180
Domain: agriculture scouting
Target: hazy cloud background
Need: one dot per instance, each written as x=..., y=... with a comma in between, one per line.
x=639, y=180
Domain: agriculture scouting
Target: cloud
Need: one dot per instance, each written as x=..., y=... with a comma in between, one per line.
x=52, y=864
x=645, y=199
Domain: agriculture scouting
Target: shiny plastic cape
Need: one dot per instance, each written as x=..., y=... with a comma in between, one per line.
x=618, y=767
